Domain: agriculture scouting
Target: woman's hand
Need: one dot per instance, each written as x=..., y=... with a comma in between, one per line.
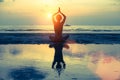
x=59, y=10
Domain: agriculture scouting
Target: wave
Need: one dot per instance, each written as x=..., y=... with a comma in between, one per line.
x=64, y=30
x=49, y=28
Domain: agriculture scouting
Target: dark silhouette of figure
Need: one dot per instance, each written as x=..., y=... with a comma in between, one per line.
x=58, y=56
x=58, y=62
x=58, y=41
x=58, y=21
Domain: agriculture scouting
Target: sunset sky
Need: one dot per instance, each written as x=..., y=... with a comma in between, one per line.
x=78, y=12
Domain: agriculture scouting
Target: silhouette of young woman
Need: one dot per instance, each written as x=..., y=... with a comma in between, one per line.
x=58, y=21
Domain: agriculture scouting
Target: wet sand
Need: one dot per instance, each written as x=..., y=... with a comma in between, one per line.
x=83, y=62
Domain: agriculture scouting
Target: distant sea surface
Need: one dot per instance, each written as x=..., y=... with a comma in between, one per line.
x=50, y=29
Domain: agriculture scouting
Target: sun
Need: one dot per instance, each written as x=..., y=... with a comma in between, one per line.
x=49, y=15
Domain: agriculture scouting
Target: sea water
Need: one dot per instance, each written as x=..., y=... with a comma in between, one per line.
x=50, y=29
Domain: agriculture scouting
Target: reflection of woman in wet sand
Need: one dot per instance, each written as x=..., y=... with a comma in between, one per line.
x=58, y=62
x=58, y=21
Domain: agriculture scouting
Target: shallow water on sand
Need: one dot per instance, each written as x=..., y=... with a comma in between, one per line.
x=83, y=62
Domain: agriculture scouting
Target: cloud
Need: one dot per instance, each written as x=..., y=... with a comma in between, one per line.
x=1, y=0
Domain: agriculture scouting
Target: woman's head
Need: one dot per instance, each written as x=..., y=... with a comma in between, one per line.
x=58, y=17
x=58, y=66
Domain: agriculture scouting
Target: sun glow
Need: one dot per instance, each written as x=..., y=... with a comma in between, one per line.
x=49, y=15
x=50, y=2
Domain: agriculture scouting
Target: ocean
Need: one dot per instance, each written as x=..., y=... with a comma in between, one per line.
x=50, y=29
x=39, y=34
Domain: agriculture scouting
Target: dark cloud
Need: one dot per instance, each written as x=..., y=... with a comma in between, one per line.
x=27, y=73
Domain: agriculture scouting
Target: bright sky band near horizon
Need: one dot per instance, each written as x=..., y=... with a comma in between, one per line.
x=78, y=12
